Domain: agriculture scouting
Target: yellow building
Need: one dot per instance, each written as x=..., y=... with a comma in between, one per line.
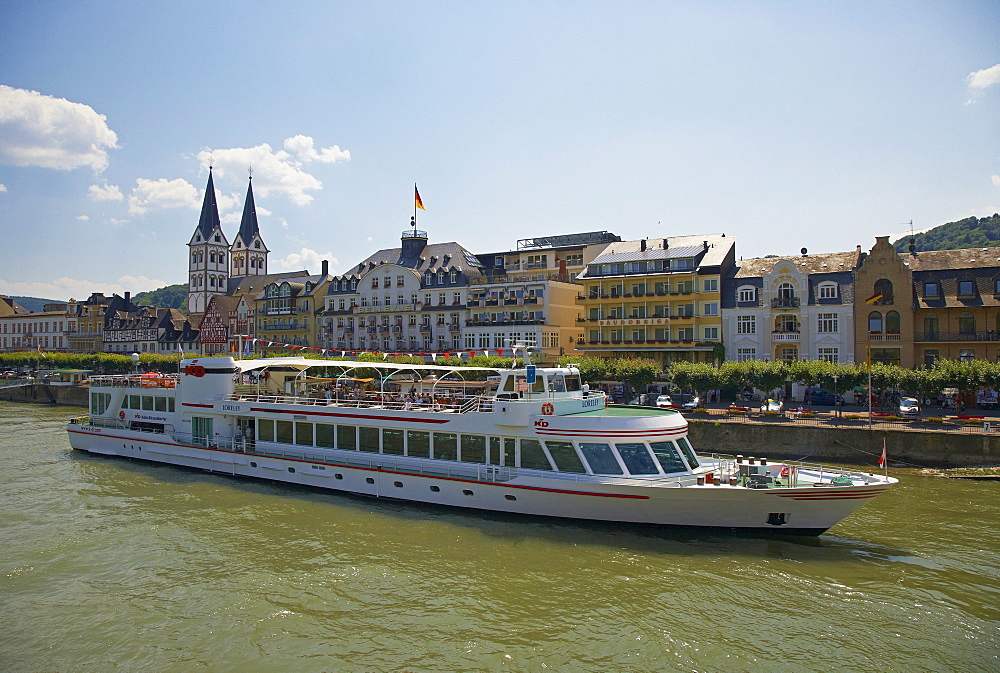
x=289, y=311
x=913, y=308
x=655, y=298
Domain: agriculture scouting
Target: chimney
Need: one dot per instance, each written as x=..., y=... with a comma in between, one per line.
x=326, y=268
x=642, y=245
x=666, y=243
x=128, y=301
x=705, y=244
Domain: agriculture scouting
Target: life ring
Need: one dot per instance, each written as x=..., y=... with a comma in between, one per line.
x=784, y=471
x=547, y=408
x=121, y=415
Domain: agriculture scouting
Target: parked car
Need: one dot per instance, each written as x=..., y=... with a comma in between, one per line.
x=665, y=402
x=820, y=396
x=909, y=408
x=693, y=403
x=775, y=406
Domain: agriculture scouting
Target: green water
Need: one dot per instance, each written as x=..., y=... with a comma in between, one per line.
x=112, y=565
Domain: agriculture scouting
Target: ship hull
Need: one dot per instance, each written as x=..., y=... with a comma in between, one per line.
x=797, y=511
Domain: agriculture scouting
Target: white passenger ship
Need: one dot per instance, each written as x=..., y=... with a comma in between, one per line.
x=525, y=441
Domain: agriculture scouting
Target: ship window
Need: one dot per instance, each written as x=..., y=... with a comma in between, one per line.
x=688, y=452
x=99, y=403
x=304, y=434
x=133, y=402
x=160, y=403
x=446, y=446
x=572, y=383
x=510, y=497
x=265, y=429
x=669, y=459
x=636, y=458
x=170, y=404
x=418, y=444
x=507, y=458
x=147, y=403
x=473, y=449
x=347, y=437
x=565, y=457
x=435, y=489
x=532, y=455
x=324, y=435
x=368, y=439
x=508, y=384
x=600, y=458
x=392, y=442
x=283, y=432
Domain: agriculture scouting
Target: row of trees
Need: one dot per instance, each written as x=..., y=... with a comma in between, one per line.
x=729, y=377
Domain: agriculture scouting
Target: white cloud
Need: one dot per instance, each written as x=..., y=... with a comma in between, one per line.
x=64, y=288
x=996, y=180
x=275, y=172
x=305, y=259
x=162, y=193
x=116, y=221
x=83, y=218
x=3, y=187
x=303, y=147
x=105, y=193
x=983, y=79
x=37, y=130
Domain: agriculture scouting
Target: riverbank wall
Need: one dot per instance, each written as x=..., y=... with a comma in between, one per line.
x=856, y=446
x=74, y=396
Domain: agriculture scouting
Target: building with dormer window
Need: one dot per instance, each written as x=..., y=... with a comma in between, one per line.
x=791, y=308
x=406, y=299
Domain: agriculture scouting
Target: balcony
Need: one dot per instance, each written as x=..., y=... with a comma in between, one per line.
x=785, y=302
x=953, y=336
x=785, y=336
x=879, y=336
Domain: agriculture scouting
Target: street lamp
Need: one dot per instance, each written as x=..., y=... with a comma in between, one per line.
x=836, y=400
x=135, y=362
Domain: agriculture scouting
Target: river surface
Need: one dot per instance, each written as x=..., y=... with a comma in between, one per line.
x=113, y=565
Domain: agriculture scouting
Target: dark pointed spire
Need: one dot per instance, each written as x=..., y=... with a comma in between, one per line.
x=248, y=226
x=209, y=210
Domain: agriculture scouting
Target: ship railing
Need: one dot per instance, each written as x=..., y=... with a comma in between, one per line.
x=135, y=381
x=98, y=422
x=459, y=404
x=765, y=473
x=381, y=462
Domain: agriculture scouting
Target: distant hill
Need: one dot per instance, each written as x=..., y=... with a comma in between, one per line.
x=972, y=232
x=35, y=304
x=171, y=296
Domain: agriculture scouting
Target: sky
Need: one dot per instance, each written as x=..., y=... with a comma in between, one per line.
x=786, y=125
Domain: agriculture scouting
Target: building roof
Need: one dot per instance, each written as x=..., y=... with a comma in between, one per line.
x=434, y=257
x=248, y=225
x=822, y=263
x=965, y=258
x=209, y=210
x=254, y=285
x=714, y=249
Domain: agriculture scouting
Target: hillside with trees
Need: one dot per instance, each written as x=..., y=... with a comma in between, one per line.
x=171, y=296
x=972, y=232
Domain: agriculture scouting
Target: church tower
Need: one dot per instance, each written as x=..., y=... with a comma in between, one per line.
x=208, y=266
x=248, y=254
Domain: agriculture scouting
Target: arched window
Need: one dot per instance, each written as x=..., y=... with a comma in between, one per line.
x=883, y=286
x=932, y=325
x=967, y=323
x=786, y=291
x=892, y=323
x=875, y=322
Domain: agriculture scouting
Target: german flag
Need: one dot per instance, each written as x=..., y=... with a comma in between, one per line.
x=874, y=298
x=416, y=199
